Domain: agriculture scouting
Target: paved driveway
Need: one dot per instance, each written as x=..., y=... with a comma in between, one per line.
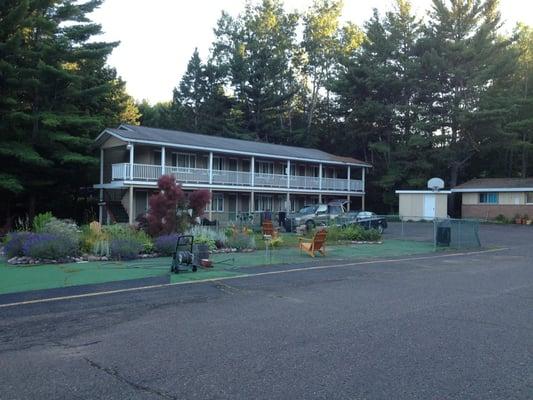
x=432, y=327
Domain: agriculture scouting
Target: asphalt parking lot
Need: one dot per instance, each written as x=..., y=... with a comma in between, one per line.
x=433, y=326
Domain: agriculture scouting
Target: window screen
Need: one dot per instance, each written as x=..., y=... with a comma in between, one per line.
x=488, y=198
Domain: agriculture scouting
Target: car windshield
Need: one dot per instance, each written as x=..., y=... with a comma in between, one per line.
x=308, y=210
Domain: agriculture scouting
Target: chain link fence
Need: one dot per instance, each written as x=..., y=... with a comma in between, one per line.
x=442, y=232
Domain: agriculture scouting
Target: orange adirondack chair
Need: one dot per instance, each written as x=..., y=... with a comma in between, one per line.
x=269, y=230
x=317, y=244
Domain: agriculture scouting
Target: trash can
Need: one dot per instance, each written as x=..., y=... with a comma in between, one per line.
x=443, y=236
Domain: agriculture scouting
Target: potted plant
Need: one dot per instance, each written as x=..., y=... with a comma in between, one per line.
x=517, y=219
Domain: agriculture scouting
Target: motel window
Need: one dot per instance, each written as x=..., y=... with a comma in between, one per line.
x=217, y=203
x=186, y=160
x=529, y=197
x=217, y=163
x=488, y=198
x=265, y=167
x=157, y=157
x=232, y=164
x=263, y=203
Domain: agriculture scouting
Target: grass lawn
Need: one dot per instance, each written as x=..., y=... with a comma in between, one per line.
x=23, y=278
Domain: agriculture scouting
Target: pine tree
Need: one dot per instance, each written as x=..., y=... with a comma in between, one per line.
x=463, y=56
x=55, y=87
x=255, y=52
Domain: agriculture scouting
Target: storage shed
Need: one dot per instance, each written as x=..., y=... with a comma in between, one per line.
x=416, y=205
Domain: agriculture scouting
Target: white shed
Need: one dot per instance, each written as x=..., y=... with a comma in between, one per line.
x=416, y=205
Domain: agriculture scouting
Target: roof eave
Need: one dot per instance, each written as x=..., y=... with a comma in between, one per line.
x=153, y=142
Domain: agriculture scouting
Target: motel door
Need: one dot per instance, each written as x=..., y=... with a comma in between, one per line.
x=232, y=207
x=429, y=206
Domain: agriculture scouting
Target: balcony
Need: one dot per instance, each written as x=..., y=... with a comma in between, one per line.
x=150, y=173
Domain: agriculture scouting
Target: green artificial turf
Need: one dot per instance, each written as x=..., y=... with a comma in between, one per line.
x=34, y=277
x=291, y=255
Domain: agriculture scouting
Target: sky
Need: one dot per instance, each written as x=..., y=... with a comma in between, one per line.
x=158, y=37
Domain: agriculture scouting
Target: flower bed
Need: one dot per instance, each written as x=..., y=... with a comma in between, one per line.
x=54, y=241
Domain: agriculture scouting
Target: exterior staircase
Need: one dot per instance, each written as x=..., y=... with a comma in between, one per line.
x=117, y=212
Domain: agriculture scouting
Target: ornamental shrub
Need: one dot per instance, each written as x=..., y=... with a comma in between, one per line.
x=163, y=206
x=198, y=200
x=213, y=237
x=241, y=240
x=48, y=246
x=128, y=232
x=66, y=230
x=14, y=242
x=91, y=235
x=353, y=232
x=125, y=249
x=40, y=220
x=166, y=244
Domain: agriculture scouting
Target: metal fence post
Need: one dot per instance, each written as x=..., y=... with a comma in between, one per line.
x=459, y=234
x=434, y=234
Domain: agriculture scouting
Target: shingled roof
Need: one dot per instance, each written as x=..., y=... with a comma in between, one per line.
x=147, y=135
x=496, y=185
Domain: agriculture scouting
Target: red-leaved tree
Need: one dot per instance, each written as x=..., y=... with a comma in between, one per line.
x=161, y=217
x=198, y=200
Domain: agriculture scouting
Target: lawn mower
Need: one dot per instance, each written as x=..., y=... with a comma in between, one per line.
x=189, y=256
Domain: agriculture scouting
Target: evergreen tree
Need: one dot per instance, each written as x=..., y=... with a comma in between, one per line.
x=463, y=57
x=200, y=97
x=55, y=90
x=378, y=95
x=255, y=51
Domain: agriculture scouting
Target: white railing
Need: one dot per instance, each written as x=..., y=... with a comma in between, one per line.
x=120, y=171
x=237, y=178
x=270, y=180
x=305, y=182
x=189, y=175
x=144, y=172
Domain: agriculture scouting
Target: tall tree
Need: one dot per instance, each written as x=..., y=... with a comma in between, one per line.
x=378, y=95
x=201, y=98
x=255, y=49
x=463, y=56
x=55, y=87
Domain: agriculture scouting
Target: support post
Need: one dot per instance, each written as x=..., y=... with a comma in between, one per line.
x=348, y=198
x=130, y=211
x=210, y=174
x=320, y=176
x=163, y=160
x=210, y=190
x=132, y=157
x=363, y=171
x=320, y=198
x=252, y=203
x=348, y=174
x=288, y=175
x=101, y=195
x=252, y=170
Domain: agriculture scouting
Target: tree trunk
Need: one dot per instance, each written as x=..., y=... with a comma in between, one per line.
x=454, y=176
x=31, y=207
x=523, y=173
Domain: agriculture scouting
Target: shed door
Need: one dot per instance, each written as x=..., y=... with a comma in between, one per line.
x=429, y=206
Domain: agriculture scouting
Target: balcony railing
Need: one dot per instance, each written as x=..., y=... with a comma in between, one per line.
x=144, y=172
